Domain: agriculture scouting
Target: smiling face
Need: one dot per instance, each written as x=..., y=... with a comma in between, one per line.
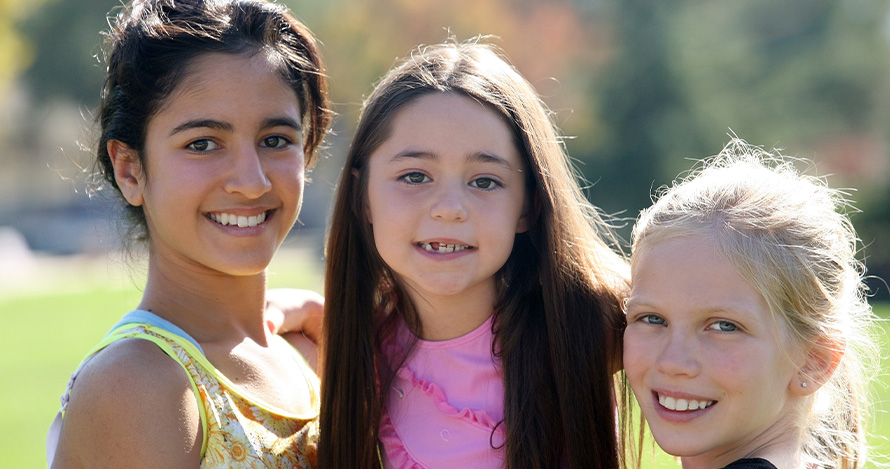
x=704, y=356
x=446, y=193
x=223, y=177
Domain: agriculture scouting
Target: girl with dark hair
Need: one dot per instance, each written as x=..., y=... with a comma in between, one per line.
x=210, y=113
x=473, y=308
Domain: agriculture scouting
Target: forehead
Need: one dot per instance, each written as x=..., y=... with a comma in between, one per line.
x=452, y=122
x=442, y=107
x=690, y=273
x=693, y=274
x=231, y=75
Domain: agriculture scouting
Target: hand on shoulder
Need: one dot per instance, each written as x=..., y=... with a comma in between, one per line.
x=297, y=316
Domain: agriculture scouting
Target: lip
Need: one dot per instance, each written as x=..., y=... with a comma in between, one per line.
x=680, y=416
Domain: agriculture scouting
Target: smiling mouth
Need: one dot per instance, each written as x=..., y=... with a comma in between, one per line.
x=443, y=248
x=228, y=219
x=683, y=405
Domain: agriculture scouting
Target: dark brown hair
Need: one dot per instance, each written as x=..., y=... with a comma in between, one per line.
x=557, y=323
x=151, y=43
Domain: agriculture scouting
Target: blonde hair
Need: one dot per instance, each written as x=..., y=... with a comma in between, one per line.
x=788, y=235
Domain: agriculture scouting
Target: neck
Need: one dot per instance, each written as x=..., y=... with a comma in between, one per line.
x=449, y=317
x=212, y=307
x=783, y=451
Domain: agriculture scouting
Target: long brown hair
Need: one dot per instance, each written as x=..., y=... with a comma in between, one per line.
x=558, y=320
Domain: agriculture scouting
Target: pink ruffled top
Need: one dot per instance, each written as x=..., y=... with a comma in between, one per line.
x=444, y=404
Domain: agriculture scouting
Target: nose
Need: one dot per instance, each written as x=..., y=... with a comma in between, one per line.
x=678, y=355
x=247, y=175
x=449, y=204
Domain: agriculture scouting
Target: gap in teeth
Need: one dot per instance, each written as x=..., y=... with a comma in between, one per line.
x=443, y=248
x=682, y=405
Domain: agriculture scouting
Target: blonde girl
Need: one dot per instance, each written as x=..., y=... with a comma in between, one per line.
x=746, y=324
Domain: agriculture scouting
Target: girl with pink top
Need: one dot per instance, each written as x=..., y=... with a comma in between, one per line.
x=473, y=307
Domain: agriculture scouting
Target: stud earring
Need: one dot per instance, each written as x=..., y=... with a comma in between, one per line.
x=803, y=384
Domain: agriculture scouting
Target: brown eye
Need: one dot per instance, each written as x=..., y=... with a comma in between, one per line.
x=415, y=178
x=485, y=183
x=275, y=142
x=201, y=145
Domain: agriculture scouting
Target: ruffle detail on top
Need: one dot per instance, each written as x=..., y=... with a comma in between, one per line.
x=400, y=457
x=478, y=418
x=396, y=453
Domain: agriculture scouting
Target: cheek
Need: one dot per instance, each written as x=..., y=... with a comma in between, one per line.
x=638, y=355
x=386, y=210
x=740, y=367
x=293, y=185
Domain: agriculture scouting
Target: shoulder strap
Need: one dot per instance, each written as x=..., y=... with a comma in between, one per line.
x=125, y=330
x=141, y=316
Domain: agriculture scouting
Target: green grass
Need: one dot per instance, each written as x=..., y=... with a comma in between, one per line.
x=53, y=311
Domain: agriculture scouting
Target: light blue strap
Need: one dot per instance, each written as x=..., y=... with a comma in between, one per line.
x=140, y=316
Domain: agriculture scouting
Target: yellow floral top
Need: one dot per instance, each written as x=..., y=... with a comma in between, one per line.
x=239, y=431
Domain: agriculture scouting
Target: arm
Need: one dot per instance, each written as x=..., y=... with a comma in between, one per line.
x=297, y=316
x=131, y=406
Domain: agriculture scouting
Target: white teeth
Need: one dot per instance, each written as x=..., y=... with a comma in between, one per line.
x=443, y=248
x=227, y=219
x=681, y=405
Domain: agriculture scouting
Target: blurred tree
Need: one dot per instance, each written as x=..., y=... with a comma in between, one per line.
x=797, y=74
x=640, y=86
x=641, y=108
x=16, y=54
x=67, y=35
x=545, y=40
x=809, y=76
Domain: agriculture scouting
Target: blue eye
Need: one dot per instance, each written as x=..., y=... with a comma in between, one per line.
x=415, y=178
x=652, y=319
x=723, y=326
x=485, y=183
x=275, y=141
x=202, y=145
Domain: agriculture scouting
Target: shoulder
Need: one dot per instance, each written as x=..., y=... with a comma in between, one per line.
x=131, y=405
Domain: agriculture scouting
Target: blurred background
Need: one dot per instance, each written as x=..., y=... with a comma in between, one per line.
x=641, y=88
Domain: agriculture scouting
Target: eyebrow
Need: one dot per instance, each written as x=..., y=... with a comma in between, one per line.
x=225, y=126
x=477, y=157
x=645, y=304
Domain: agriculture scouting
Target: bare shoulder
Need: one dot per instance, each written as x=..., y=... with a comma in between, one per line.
x=131, y=406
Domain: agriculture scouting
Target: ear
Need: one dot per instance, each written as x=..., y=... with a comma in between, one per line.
x=128, y=172
x=823, y=358
x=522, y=225
x=524, y=218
